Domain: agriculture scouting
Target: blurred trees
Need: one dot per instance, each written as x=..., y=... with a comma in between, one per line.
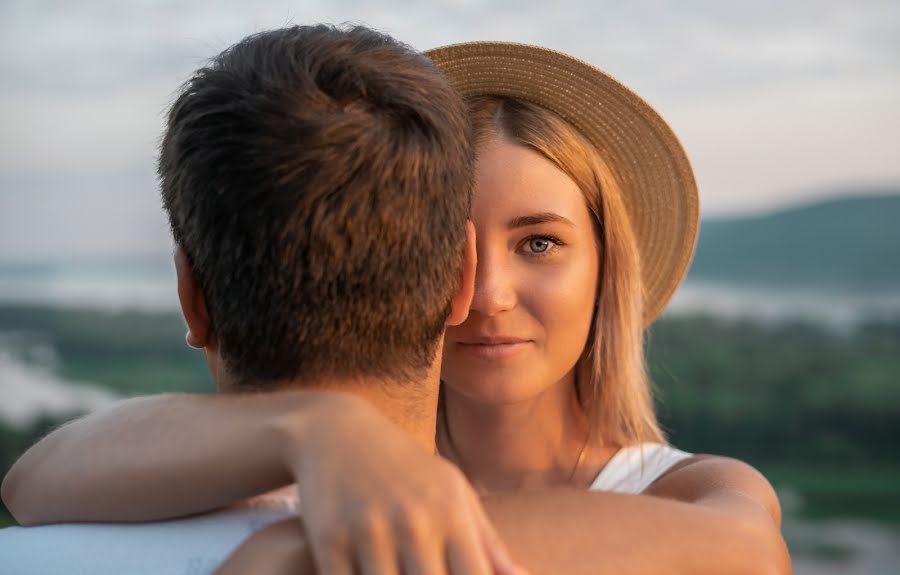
x=792, y=398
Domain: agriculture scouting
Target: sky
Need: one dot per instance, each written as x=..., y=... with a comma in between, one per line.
x=777, y=102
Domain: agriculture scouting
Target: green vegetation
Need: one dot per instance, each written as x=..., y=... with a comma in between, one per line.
x=130, y=353
x=817, y=411
x=829, y=490
x=791, y=392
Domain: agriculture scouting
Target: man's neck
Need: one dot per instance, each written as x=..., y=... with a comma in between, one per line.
x=409, y=404
x=412, y=406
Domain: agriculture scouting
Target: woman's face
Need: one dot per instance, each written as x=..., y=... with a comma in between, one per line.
x=535, y=287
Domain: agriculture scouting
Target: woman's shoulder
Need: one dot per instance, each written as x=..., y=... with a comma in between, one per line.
x=666, y=471
x=698, y=476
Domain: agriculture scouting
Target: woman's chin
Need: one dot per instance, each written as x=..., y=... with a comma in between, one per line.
x=495, y=391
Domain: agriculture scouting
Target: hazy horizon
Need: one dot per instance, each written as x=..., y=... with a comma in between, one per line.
x=777, y=103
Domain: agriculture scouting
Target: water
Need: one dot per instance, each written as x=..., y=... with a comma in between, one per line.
x=31, y=391
x=148, y=284
x=843, y=546
x=145, y=284
x=837, y=309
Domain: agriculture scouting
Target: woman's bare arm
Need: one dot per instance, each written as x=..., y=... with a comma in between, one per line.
x=159, y=457
x=173, y=455
x=711, y=516
x=167, y=456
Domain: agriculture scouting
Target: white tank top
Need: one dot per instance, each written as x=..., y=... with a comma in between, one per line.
x=632, y=469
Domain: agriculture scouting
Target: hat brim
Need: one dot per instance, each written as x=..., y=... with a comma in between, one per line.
x=643, y=153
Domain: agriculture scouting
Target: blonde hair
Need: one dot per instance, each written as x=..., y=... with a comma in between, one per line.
x=611, y=375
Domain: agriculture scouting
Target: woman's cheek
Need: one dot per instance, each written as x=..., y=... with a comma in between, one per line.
x=566, y=298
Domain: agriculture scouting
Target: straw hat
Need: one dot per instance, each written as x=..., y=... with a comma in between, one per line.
x=643, y=153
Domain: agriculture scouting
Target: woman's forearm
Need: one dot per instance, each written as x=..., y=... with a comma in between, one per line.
x=160, y=457
x=568, y=531
x=578, y=532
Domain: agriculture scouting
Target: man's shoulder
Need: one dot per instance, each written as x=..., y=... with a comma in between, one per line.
x=189, y=546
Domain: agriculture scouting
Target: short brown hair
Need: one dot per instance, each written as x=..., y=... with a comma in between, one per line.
x=318, y=179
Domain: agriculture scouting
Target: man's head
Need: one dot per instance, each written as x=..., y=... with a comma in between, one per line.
x=317, y=182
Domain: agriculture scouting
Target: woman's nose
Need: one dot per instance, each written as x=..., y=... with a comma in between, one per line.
x=494, y=286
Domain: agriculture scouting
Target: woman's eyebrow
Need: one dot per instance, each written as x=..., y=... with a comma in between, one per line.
x=541, y=218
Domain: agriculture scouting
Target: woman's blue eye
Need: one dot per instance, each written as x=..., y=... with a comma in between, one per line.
x=539, y=245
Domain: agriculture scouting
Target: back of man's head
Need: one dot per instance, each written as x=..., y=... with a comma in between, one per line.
x=318, y=181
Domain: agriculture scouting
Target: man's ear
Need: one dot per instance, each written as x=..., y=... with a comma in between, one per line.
x=193, y=304
x=462, y=301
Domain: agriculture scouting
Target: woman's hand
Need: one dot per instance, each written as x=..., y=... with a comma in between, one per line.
x=375, y=502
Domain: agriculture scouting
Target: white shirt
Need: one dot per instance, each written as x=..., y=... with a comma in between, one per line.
x=191, y=546
x=633, y=469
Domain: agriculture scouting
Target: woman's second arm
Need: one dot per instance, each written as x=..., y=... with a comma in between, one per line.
x=158, y=457
x=168, y=456
x=713, y=515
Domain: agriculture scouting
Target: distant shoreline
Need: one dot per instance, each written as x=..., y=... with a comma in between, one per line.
x=832, y=307
x=156, y=293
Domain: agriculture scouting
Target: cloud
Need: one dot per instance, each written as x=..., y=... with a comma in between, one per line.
x=770, y=97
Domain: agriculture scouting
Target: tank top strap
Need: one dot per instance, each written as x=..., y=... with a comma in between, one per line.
x=632, y=469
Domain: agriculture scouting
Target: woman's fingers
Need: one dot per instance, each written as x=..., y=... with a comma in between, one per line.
x=336, y=564
x=497, y=554
x=421, y=541
x=332, y=553
x=376, y=550
x=499, y=559
x=447, y=535
x=391, y=509
x=465, y=552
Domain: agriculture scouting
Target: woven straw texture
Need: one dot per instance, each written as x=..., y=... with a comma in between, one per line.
x=641, y=150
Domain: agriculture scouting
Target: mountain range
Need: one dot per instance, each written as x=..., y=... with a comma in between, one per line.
x=850, y=243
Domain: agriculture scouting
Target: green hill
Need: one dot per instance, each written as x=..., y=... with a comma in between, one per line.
x=851, y=243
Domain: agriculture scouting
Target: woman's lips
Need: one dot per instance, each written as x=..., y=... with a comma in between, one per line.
x=493, y=347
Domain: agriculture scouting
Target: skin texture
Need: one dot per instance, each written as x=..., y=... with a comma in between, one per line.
x=724, y=530
x=535, y=284
x=429, y=521
x=515, y=424
x=509, y=368
x=515, y=429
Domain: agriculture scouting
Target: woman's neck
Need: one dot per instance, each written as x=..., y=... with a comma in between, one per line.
x=526, y=445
